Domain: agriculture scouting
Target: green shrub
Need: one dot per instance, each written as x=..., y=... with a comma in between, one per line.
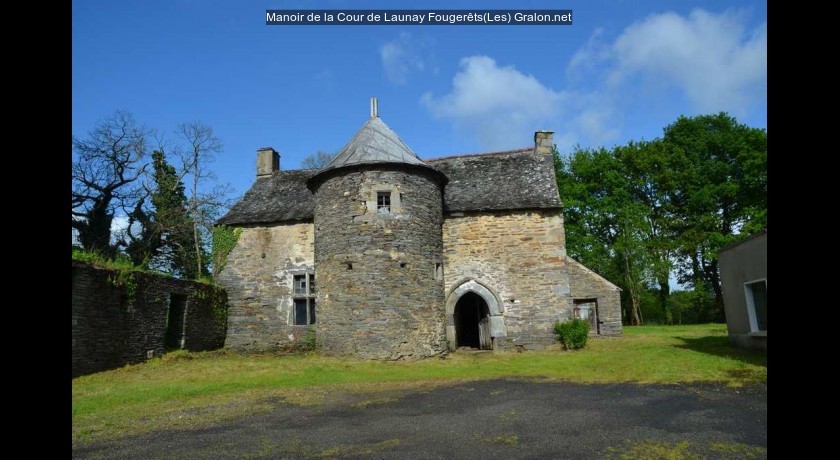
x=572, y=334
x=308, y=341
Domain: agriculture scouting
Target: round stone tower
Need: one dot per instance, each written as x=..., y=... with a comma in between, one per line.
x=378, y=249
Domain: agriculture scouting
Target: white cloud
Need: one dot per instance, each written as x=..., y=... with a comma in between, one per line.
x=403, y=56
x=699, y=63
x=596, y=125
x=711, y=58
x=500, y=104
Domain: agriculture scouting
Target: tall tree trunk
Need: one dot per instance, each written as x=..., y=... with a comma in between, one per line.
x=636, y=314
x=199, y=272
x=714, y=280
x=664, y=295
x=95, y=232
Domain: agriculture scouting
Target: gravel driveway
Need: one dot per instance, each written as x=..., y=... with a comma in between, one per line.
x=501, y=419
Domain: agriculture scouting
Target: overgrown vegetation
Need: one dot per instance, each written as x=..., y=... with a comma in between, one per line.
x=302, y=340
x=191, y=389
x=121, y=262
x=164, y=225
x=310, y=342
x=647, y=212
x=224, y=240
x=217, y=298
x=572, y=334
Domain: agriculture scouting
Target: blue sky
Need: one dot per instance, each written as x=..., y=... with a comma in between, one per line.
x=623, y=71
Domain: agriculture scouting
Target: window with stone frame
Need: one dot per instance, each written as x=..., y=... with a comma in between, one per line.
x=383, y=202
x=304, y=299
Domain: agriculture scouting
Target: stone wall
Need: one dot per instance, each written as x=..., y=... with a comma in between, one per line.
x=520, y=256
x=258, y=278
x=120, y=318
x=586, y=284
x=378, y=294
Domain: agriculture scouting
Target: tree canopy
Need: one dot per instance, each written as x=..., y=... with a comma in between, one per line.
x=106, y=168
x=168, y=225
x=644, y=213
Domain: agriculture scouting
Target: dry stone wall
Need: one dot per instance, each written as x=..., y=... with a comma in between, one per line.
x=120, y=318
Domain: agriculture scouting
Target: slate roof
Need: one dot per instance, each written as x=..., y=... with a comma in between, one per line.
x=517, y=179
x=374, y=143
x=283, y=196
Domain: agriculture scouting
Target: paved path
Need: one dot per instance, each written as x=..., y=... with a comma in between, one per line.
x=502, y=419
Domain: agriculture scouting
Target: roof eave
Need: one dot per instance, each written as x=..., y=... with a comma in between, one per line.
x=315, y=181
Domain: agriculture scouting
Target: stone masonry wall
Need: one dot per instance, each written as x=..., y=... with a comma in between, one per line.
x=120, y=319
x=586, y=284
x=378, y=294
x=521, y=256
x=259, y=277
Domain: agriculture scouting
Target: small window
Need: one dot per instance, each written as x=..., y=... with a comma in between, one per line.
x=300, y=312
x=302, y=308
x=300, y=285
x=304, y=299
x=756, y=293
x=383, y=202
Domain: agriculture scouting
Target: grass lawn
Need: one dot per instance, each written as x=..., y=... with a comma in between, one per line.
x=194, y=389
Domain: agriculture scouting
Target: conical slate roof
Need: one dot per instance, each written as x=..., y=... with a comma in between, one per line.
x=374, y=143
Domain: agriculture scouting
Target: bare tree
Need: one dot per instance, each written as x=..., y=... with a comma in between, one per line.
x=106, y=166
x=317, y=160
x=202, y=146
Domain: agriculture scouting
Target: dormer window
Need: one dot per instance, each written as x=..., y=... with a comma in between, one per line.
x=383, y=202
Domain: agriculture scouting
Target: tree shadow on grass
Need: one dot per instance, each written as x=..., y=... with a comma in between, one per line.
x=720, y=346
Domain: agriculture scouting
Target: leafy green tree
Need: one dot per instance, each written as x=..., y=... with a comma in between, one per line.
x=650, y=169
x=172, y=218
x=143, y=243
x=604, y=224
x=721, y=192
x=639, y=212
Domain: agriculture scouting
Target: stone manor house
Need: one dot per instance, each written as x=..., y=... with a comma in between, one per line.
x=390, y=256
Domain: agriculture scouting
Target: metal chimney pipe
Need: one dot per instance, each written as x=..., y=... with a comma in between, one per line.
x=374, y=107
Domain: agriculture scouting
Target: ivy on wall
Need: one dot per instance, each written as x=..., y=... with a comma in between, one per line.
x=128, y=281
x=217, y=298
x=224, y=240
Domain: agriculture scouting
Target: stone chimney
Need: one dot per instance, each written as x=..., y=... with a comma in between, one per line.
x=543, y=142
x=268, y=161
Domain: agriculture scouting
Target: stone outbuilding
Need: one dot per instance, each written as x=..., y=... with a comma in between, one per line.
x=410, y=257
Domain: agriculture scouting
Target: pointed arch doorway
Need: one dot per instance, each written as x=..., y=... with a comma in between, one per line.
x=474, y=316
x=472, y=322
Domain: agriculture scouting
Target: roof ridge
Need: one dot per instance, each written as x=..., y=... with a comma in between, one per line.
x=465, y=155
